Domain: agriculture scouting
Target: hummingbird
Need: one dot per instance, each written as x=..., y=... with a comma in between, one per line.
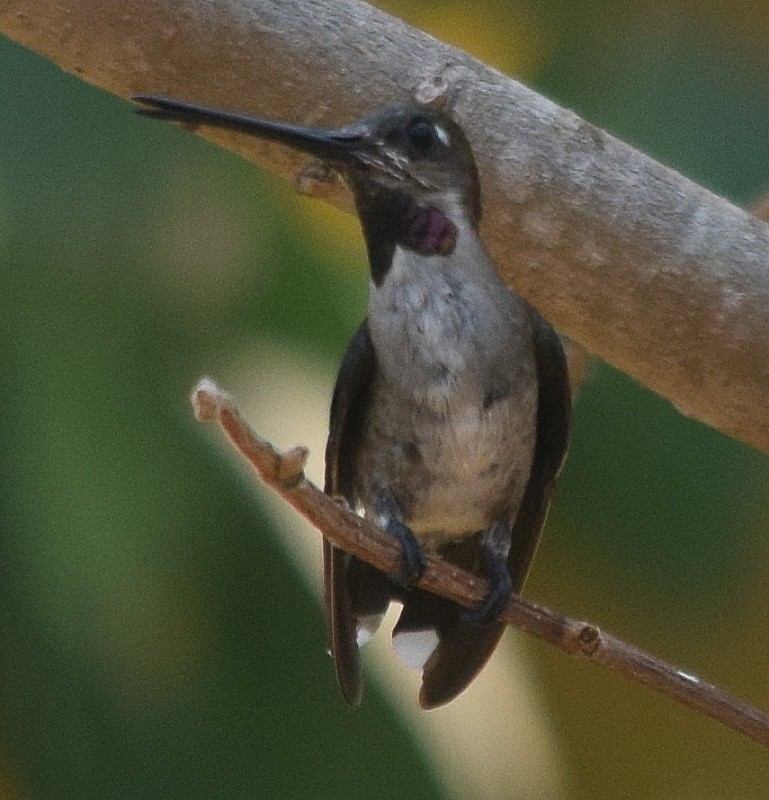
x=450, y=415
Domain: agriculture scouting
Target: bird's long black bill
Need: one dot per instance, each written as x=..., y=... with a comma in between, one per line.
x=325, y=144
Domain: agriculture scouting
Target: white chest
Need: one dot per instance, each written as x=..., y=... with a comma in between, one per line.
x=447, y=325
x=453, y=420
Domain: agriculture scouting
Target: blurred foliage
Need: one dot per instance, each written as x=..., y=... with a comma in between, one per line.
x=155, y=640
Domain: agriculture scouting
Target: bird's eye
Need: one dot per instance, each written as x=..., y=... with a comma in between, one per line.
x=421, y=136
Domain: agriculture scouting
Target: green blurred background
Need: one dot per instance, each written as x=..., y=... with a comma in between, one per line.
x=156, y=639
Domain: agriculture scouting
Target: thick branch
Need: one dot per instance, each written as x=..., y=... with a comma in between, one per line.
x=641, y=266
x=284, y=473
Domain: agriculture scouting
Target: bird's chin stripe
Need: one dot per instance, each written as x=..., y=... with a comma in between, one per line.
x=413, y=648
x=429, y=232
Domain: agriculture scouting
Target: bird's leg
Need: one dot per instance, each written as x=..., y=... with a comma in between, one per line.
x=495, y=545
x=389, y=518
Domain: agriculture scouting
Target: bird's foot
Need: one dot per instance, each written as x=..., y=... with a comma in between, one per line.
x=494, y=548
x=414, y=561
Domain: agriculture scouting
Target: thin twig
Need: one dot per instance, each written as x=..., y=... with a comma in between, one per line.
x=284, y=473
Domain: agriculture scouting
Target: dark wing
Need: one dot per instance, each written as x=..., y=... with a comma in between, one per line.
x=348, y=408
x=553, y=423
x=464, y=646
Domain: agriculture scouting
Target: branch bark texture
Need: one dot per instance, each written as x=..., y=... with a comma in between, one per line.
x=651, y=272
x=284, y=473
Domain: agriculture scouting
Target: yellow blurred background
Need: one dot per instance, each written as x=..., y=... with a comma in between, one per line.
x=160, y=631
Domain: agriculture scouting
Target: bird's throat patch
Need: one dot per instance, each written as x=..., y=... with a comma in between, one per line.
x=429, y=232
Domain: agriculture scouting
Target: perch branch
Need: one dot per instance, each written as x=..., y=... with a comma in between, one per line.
x=283, y=472
x=651, y=272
